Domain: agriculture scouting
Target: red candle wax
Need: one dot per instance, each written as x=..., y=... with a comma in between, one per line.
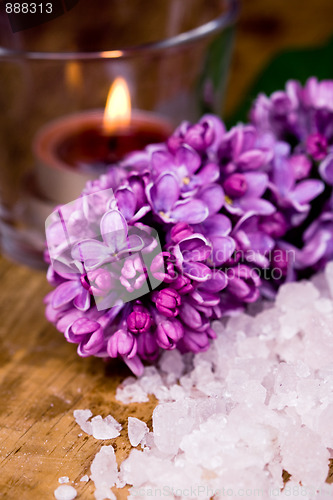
x=76, y=148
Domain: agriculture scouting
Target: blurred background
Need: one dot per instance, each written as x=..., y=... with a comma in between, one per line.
x=275, y=40
x=300, y=29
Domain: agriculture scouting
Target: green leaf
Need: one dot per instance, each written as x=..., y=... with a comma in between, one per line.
x=297, y=64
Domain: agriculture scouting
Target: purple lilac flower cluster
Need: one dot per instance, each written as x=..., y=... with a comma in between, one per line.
x=187, y=231
x=298, y=122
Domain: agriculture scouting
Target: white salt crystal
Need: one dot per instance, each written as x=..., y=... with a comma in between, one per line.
x=84, y=479
x=81, y=418
x=296, y=295
x=172, y=362
x=148, y=441
x=130, y=391
x=137, y=429
x=99, y=428
x=65, y=492
x=151, y=380
x=304, y=456
x=104, y=473
x=325, y=425
x=107, y=428
x=258, y=402
x=172, y=420
x=63, y=479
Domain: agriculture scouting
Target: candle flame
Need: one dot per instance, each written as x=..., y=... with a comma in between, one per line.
x=117, y=113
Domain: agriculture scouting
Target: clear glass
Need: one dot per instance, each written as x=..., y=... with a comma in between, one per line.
x=174, y=55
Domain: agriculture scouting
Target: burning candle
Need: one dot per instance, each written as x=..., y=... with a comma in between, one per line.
x=79, y=147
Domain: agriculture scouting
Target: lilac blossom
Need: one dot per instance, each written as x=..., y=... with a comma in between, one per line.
x=245, y=194
x=244, y=282
x=117, y=242
x=326, y=169
x=167, y=302
x=288, y=192
x=204, y=136
x=239, y=151
x=194, y=229
x=164, y=197
x=70, y=287
x=168, y=333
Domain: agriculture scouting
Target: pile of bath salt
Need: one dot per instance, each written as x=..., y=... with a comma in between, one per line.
x=229, y=421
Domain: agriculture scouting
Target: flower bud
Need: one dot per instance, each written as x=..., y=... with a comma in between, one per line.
x=168, y=333
x=139, y=321
x=122, y=343
x=168, y=301
x=235, y=185
x=182, y=284
x=147, y=346
x=316, y=146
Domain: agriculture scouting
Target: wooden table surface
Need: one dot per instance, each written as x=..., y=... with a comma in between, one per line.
x=42, y=380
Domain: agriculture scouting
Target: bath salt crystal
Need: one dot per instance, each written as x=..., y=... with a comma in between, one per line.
x=172, y=362
x=172, y=420
x=136, y=430
x=84, y=479
x=258, y=402
x=65, y=492
x=98, y=427
x=329, y=277
x=81, y=418
x=151, y=380
x=104, y=473
x=304, y=456
x=63, y=479
x=298, y=295
x=325, y=425
x=130, y=391
x=107, y=428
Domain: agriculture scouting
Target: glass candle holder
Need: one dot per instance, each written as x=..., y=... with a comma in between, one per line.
x=174, y=56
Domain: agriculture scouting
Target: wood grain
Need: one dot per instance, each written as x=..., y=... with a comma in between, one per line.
x=42, y=380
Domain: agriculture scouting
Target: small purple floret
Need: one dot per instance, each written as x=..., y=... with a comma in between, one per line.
x=167, y=302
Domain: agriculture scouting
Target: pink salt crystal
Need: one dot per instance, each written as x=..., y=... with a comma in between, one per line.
x=104, y=473
x=84, y=479
x=303, y=455
x=148, y=441
x=65, y=492
x=325, y=425
x=325, y=492
x=136, y=430
x=329, y=277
